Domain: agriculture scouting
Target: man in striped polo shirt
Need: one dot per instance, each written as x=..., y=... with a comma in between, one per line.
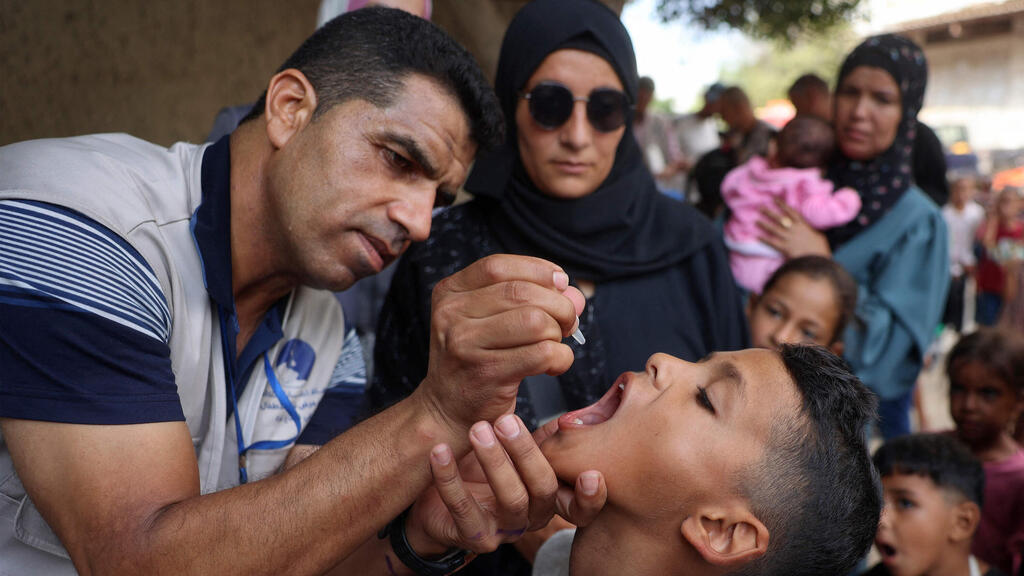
x=170, y=347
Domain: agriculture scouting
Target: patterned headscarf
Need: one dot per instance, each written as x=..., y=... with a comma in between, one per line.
x=882, y=180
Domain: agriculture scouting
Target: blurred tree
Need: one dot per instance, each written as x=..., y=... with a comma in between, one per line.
x=771, y=72
x=778, y=20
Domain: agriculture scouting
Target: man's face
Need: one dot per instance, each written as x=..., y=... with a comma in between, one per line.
x=643, y=99
x=963, y=191
x=912, y=534
x=812, y=102
x=354, y=187
x=677, y=435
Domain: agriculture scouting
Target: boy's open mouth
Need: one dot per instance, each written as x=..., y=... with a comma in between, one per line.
x=598, y=412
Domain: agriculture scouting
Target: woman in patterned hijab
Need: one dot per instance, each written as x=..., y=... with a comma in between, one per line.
x=897, y=247
x=876, y=137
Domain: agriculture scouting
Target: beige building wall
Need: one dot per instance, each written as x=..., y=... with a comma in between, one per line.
x=159, y=70
x=979, y=84
x=162, y=69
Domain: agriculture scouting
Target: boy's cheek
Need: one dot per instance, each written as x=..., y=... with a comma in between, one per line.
x=560, y=457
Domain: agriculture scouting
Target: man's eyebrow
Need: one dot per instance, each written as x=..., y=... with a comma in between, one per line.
x=415, y=151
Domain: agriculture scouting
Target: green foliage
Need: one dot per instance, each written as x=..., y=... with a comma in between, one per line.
x=769, y=75
x=778, y=20
x=667, y=105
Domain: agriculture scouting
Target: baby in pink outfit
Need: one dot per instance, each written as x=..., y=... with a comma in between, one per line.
x=793, y=173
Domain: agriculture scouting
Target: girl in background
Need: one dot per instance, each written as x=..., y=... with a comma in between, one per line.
x=986, y=396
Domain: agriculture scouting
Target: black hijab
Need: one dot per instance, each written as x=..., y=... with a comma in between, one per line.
x=882, y=180
x=625, y=227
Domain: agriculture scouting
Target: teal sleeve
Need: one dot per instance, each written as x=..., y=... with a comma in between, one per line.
x=902, y=291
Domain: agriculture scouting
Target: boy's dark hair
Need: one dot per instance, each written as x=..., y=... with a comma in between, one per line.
x=368, y=53
x=821, y=267
x=815, y=489
x=941, y=458
x=806, y=141
x=1000, y=350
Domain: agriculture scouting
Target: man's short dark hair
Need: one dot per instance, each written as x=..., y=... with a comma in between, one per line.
x=809, y=83
x=817, y=267
x=815, y=489
x=735, y=95
x=368, y=53
x=938, y=457
x=645, y=84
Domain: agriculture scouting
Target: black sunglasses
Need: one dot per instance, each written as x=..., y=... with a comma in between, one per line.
x=551, y=106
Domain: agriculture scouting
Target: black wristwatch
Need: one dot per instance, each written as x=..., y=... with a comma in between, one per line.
x=442, y=566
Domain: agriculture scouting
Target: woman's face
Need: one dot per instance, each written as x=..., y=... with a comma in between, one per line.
x=868, y=112
x=572, y=160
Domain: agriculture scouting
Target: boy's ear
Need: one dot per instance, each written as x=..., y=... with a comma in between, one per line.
x=966, y=516
x=726, y=535
x=837, y=347
x=290, y=104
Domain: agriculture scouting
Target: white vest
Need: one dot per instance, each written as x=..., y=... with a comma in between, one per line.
x=147, y=195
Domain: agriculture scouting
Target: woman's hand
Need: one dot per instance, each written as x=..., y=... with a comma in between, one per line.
x=786, y=230
x=496, y=493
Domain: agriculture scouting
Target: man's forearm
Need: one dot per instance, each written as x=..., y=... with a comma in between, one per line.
x=311, y=517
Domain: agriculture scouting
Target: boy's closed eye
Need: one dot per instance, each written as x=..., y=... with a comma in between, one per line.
x=704, y=400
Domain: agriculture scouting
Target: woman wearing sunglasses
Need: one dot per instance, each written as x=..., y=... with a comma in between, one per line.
x=570, y=186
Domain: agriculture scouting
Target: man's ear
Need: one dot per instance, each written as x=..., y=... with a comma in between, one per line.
x=290, y=104
x=966, y=516
x=837, y=347
x=726, y=536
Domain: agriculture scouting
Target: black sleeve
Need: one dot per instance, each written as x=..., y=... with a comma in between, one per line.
x=728, y=323
x=930, y=165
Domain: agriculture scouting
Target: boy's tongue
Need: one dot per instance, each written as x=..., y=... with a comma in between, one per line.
x=596, y=413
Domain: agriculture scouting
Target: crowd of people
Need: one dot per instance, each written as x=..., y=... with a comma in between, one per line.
x=644, y=346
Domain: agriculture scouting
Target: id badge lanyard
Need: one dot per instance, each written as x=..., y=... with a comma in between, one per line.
x=282, y=397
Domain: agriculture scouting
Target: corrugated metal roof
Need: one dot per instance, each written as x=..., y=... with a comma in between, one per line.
x=976, y=12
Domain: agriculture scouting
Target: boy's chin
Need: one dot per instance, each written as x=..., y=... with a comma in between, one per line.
x=566, y=461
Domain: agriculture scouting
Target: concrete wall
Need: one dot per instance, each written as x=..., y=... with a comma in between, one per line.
x=159, y=70
x=979, y=84
x=162, y=69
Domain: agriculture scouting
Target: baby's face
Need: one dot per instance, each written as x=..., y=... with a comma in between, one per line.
x=678, y=434
x=798, y=309
x=912, y=534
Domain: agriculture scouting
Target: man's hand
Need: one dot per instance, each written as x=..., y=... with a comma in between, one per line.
x=494, y=323
x=502, y=489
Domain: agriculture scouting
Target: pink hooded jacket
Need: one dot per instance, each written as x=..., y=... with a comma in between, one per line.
x=753, y=185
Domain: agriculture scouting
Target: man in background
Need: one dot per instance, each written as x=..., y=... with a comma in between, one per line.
x=810, y=96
